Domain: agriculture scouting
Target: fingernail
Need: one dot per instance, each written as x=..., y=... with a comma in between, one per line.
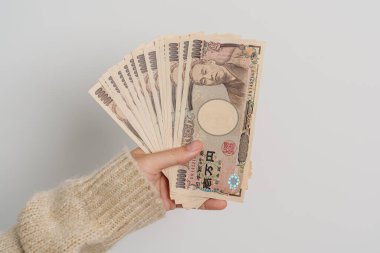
x=194, y=146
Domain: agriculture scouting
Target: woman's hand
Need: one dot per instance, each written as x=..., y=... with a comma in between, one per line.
x=153, y=164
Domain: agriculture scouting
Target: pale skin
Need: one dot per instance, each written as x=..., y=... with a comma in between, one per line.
x=152, y=165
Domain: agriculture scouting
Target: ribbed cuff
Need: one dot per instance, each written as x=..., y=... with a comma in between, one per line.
x=120, y=198
x=90, y=213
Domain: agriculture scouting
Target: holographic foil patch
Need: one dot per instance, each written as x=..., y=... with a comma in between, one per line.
x=233, y=181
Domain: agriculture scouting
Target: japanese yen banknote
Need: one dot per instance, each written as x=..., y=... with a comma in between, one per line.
x=177, y=89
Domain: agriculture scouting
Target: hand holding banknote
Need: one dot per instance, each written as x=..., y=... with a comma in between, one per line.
x=152, y=165
x=177, y=89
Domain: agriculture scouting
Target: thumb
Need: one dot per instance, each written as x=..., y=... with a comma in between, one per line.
x=158, y=161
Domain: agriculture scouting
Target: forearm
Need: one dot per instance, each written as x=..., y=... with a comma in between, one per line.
x=87, y=214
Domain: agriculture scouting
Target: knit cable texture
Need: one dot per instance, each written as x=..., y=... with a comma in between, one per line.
x=88, y=214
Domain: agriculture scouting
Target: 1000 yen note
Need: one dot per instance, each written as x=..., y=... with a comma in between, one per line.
x=222, y=82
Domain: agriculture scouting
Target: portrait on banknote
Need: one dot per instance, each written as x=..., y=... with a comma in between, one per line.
x=220, y=111
x=177, y=89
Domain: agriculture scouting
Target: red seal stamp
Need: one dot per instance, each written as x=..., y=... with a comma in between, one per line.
x=229, y=147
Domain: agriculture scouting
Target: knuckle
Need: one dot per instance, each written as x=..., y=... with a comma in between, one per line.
x=179, y=155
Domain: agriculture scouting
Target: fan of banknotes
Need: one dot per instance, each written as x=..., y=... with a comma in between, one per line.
x=176, y=89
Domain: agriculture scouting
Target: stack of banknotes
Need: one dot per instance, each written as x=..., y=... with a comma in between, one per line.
x=177, y=89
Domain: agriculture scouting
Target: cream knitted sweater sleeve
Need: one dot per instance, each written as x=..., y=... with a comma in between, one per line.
x=87, y=214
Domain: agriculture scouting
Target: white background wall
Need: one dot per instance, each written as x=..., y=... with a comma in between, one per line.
x=316, y=148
